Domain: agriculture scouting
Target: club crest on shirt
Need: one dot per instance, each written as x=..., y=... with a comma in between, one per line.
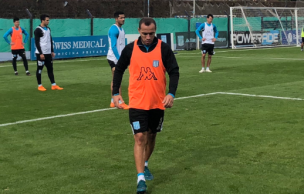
x=155, y=63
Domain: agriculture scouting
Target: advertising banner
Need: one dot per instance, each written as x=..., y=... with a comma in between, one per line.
x=291, y=37
x=244, y=38
x=73, y=47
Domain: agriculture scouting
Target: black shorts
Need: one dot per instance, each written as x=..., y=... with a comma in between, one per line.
x=302, y=39
x=145, y=120
x=20, y=52
x=208, y=48
x=111, y=63
x=48, y=61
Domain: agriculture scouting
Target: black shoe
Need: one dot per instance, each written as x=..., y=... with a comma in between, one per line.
x=16, y=73
x=28, y=73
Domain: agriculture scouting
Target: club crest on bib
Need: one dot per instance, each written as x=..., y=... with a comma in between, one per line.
x=155, y=63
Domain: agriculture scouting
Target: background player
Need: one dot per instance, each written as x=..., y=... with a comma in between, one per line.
x=45, y=52
x=149, y=59
x=117, y=44
x=210, y=35
x=302, y=35
x=17, y=44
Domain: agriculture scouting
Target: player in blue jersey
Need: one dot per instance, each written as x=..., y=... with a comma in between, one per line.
x=209, y=36
x=17, y=44
x=117, y=44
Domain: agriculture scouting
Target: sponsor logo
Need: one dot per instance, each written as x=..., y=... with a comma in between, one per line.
x=146, y=74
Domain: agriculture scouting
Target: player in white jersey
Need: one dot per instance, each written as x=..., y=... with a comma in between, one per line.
x=210, y=35
x=117, y=44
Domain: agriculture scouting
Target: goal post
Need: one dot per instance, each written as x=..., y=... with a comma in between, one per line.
x=259, y=27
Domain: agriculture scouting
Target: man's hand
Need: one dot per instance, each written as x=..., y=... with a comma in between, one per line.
x=22, y=43
x=53, y=54
x=204, y=39
x=168, y=101
x=42, y=58
x=12, y=43
x=117, y=99
x=214, y=39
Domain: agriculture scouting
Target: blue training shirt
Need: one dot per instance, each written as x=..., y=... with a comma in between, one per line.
x=113, y=35
x=202, y=27
x=10, y=32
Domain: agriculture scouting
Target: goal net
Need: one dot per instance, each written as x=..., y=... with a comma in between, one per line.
x=258, y=27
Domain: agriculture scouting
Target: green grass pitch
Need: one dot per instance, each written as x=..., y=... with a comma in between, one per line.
x=213, y=144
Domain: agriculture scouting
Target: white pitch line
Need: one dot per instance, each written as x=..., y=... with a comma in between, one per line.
x=260, y=96
x=180, y=98
x=195, y=96
x=85, y=112
x=290, y=59
x=62, y=61
x=53, y=117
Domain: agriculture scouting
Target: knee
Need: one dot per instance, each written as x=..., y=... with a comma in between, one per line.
x=15, y=57
x=141, y=139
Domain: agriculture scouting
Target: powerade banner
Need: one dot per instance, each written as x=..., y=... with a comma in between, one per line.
x=222, y=39
x=266, y=38
x=73, y=47
x=291, y=37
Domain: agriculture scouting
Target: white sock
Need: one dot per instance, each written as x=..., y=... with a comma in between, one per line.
x=146, y=163
x=112, y=100
x=16, y=71
x=203, y=68
x=54, y=84
x=140, y=177
x=39, y=85
x=207, y=68
x=26, y=71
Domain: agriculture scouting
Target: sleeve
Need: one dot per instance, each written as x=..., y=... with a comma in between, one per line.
x=9, y=32
x=216, y=31
x=122, y=65
x=38, y=33
x=52, y=46
x=26, y=35
x=198, y=30
x=171, y=66
x=113, y=34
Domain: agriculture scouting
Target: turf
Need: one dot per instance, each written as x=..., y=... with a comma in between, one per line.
x=210, y=144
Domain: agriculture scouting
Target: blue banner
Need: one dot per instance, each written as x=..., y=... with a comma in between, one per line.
x=73, y=47
x=291, y=37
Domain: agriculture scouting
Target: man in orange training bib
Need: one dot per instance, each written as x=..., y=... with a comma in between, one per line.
x=149, y=59
x=17, y=44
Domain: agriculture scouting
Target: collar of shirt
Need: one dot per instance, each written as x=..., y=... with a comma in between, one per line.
x=146, y=48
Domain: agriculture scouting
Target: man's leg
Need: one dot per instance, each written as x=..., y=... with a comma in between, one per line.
x=148, y=152
x=40, y=65
x=141, y=140
x=50, y=70
x=302, y=46
x=203, y=58
x=203, y=63
x=209, y=60
x=112, y=105
x=208, y=63
x=23, y=56
x=156, y=119
x=139, y=123
x=14, y=62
